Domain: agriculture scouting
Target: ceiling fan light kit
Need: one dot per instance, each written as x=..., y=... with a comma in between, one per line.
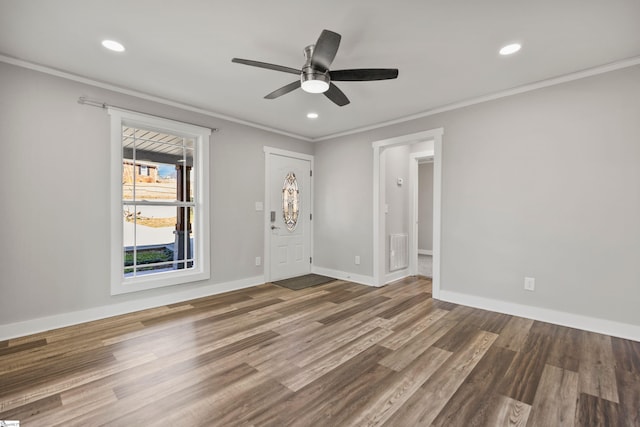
x=311, y=80
x=315, y=76
x=314, y=83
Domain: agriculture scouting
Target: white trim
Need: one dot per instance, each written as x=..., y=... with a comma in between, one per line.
x=437, y=214
x=142, y=95
x=158, y=122
x=268, y=151
x=625, y=63
x=409, y=139
x=434, y=135
x=601, y=326
x=343, y=275
x=202, y=269
x=414, y=160
x=376, y=216
x=396, y=275
x=424, y=252
x=601, y=69
x=33, y=326
x=287, y=153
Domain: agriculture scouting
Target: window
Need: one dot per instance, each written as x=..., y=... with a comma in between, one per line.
x=159, y=189
x=290, y=201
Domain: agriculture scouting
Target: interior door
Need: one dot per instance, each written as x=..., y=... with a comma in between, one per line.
x=290, y=217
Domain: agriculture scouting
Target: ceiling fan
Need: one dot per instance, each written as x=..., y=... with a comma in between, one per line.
x=315, y=76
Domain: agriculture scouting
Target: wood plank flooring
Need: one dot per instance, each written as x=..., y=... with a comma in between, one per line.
x=338, y=354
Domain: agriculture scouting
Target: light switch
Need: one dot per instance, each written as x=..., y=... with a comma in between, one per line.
x=530, y=283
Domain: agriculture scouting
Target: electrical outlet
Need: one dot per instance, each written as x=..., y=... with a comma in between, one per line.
x=530, y=283
x=357, y=261
x=258, y=260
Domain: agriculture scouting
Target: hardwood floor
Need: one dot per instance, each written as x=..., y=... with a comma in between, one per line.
x=339, y=354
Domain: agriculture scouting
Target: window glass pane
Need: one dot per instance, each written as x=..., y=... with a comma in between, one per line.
x=290, y=201
x=184, y=247
x=150, y=160
x=192, y=245
x=189, y=142
x=159, y=185
x=148, y=231
x=192, y=178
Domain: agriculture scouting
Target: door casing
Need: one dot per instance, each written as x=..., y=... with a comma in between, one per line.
x=414, y=162
x=379, y=229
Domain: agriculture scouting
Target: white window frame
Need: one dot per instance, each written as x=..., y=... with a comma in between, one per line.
x=201, y=270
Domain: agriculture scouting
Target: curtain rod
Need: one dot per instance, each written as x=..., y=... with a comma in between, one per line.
x=84, y=101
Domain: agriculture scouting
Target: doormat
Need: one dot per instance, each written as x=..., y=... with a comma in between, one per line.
x=306, y=281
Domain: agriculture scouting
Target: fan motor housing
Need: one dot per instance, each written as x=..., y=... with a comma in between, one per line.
x=312, y=80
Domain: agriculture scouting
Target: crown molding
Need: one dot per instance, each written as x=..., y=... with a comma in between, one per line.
x=617, y=65
x=142, y=95
x=630, y=62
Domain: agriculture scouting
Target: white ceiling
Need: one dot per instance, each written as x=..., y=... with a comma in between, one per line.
x=446, y=51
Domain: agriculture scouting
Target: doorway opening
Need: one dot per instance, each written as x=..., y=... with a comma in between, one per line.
x=433, y=138
x=421, y=213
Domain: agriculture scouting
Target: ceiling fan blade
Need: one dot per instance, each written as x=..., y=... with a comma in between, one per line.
x=284, y=90
x=266, y=65
x=325, y=50
x=363, y=74
x=336, y=95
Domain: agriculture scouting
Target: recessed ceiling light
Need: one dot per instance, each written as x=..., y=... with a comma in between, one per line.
x=113, y=45
x=510, y=48
x=312, y=115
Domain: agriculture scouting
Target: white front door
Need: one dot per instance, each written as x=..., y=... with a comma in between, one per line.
x=289, y=216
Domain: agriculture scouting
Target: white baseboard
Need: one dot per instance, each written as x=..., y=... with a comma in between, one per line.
x=343, y=275
x=424, y=252
x=28, y=327
x=32, y=326
x=592, y=324
x=357, y=278
x=396, y=275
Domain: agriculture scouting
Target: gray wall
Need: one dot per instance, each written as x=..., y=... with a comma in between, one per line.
x=425, y=206
x=55, y=195
x=343, y=201
x=397, y=196
x=543, y=184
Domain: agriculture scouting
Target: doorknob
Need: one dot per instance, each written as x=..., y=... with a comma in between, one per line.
x=273, y=227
